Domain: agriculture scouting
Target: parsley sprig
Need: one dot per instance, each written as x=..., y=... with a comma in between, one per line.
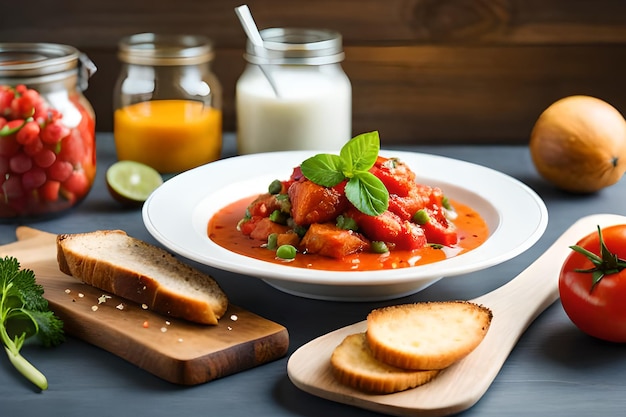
x=363, y=189
x=24, y=313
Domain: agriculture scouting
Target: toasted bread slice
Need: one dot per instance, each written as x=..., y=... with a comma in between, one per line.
x=354, y=365
x=430, y=335
x=138, y=271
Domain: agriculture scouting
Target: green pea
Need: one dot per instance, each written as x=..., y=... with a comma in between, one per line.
x=300, y=230
x=421, y=217
x=283, y=202
x=286, y=252
x=272, y=240
x=378, y=246
x=275, y=187
x=279, y=217
x=346, y=223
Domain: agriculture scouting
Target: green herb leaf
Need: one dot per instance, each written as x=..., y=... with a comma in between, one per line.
x=367, y=193
x=364, y=190
x=324, y=169
x=360, y=153
x=24, y=313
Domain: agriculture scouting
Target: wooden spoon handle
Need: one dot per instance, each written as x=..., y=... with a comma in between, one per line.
x=517, y=304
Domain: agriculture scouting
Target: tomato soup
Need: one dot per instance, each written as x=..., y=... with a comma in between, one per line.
x=471, y=229
x=169, y=135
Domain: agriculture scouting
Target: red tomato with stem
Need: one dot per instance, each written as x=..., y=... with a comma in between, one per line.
x=592, y=284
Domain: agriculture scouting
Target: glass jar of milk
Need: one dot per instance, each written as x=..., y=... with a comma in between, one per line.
x=309, y=105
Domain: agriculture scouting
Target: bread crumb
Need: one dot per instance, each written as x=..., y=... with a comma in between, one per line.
x=180, y=340
x=163, y=329
x=103, y=298
x=94, y=308
x=120, y=306
x=234, y=317
x=229, y=328
x=81, y=295
x=67, y=291
x=167, y=322
x=144, y=306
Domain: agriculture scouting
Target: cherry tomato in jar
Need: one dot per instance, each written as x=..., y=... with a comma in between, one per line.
x=46, y=166
x=592, y=284
x=47, y=130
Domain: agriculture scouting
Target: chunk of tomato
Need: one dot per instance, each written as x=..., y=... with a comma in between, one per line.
x=395, y=175
x=438, y=229
x=390, y=228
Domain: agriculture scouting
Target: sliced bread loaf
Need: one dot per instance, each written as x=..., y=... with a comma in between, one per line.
x=354, y=365
x=430, y=335
x=138, y=271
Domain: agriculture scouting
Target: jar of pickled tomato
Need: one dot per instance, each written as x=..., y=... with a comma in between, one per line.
x=47, y=130
x=167, y=102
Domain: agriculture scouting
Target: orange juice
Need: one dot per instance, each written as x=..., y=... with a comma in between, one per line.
x=169, y=135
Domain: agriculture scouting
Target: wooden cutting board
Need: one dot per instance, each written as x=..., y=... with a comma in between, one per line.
x=175, y=350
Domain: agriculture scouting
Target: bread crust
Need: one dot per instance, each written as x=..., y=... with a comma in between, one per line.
x=431, y=335
x=107, y=272
x=353, y=364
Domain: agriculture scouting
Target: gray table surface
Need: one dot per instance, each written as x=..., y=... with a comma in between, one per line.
x=554, y=369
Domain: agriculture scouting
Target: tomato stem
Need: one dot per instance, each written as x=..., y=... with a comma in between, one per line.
x=607, y=263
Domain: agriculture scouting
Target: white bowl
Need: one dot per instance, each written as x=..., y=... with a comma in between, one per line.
x=178, y=212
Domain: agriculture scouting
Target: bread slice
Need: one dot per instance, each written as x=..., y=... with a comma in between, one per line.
x=430, y=335
x=138, y=271
x=354, y=365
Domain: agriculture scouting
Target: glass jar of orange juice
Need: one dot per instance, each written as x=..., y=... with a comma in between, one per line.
x=167, y=102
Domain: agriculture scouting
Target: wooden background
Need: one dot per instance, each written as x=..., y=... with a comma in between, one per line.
x=423, y=71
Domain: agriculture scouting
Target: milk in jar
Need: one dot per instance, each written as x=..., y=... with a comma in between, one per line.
x=312, y=107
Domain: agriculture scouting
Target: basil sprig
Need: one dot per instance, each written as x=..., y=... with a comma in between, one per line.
x=364, y=190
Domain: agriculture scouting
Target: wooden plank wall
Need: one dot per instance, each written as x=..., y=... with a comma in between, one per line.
x=423, y=71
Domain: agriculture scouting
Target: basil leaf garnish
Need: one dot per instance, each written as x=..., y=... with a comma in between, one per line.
x=361, y=152
x=367, y=193
x=323, y=169
x=364, y=190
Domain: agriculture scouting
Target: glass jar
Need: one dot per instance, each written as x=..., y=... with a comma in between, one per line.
x=167, y=102
x=47, y=130
x=311, y=108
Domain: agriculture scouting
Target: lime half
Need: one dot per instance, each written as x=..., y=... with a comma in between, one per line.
x=131, y=183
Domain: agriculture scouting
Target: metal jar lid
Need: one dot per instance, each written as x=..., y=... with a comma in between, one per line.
x=165, y=50
x=26, y=63
x=295, y=46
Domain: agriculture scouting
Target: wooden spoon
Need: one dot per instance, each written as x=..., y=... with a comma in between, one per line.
x=515, y=305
